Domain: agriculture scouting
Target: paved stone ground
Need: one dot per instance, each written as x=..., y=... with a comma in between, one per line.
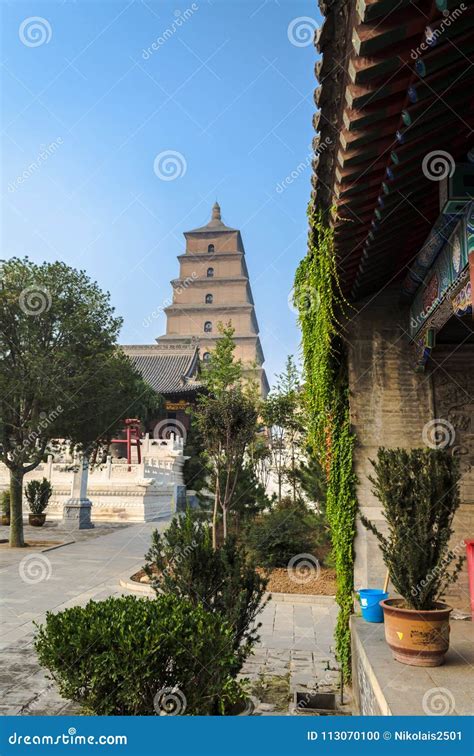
x=296, y=639
x=296, y=643
x=36, y=581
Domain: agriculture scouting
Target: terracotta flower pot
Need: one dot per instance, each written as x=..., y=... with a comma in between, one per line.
x=416, y=637
x=37, y=520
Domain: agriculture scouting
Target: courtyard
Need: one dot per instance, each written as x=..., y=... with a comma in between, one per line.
x=236, y=376
x=296, y=645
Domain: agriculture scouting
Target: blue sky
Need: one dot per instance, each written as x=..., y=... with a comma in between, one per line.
x=88, y=104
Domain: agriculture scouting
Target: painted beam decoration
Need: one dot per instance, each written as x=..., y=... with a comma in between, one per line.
x=445, y=280
x=462, y=302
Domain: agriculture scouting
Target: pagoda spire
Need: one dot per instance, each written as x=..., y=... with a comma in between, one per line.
x=216, y=211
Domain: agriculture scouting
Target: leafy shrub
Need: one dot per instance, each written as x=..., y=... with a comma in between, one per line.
x=182, y=562
x=282, y=533
x=419, y=492
x=5, y=503
x=38, y=494
x=131, y=656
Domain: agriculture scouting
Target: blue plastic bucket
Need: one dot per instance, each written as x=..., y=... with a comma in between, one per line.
x=370, y=599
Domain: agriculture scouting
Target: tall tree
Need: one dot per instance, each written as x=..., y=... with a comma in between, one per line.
x=61, y=373
x=226, y=417
x=281, y=413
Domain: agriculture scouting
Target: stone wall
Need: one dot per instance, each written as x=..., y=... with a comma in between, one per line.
x=390, y=406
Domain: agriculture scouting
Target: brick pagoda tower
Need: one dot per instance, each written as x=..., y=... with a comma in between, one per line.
x=213, y=286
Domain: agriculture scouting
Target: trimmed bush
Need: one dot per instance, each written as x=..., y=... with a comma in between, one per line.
x=282, y=533
x=135, y=656
x=182, y=562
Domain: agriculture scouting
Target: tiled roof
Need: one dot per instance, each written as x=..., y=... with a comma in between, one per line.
x=166, y=369
x=215, y=224
x=395, y=92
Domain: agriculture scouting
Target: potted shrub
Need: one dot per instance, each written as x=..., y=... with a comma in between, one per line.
x=5, y=503
x=38, y=494
x=419, y=492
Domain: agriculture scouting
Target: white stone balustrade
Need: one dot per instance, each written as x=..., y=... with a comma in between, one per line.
x=118, y=491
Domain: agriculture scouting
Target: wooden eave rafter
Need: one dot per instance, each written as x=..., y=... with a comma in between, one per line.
x=391, y=113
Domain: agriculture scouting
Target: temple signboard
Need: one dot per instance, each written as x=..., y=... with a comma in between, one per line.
x=446, y=279
x=181, y=404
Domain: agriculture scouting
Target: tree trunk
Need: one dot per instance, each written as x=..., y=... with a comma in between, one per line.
x=224, y=522
x=214, y=520
x=16, y=507
x=293, y=474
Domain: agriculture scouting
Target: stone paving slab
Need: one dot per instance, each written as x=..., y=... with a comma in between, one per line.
x=296, y=642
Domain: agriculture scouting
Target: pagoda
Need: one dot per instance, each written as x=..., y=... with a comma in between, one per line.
x=213, y=287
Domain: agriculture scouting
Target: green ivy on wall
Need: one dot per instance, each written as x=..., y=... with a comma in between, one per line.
x=318, y=299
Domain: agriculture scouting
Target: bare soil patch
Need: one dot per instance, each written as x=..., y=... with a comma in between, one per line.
x=280, y=580
x=320, y=583
x=31, y=544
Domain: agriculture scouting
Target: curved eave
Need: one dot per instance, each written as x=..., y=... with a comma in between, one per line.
x=384, y=204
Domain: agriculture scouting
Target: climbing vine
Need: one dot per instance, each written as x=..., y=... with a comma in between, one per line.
x=318, y=299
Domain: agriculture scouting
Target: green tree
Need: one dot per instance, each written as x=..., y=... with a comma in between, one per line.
x=282, y=415
x=61, y=373
x=250, y=498
x=222, y=371
x=226, y=417
x=311, y=480
x=282, y=533
x=183, y=562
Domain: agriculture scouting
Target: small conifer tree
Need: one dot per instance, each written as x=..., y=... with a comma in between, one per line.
x=419, y=492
